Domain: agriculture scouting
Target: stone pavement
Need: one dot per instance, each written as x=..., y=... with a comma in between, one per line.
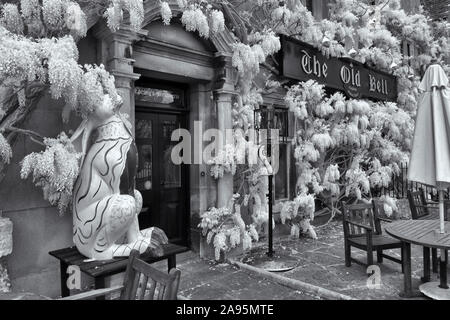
x=315, y=262
x=321, y=263
x=208, y=280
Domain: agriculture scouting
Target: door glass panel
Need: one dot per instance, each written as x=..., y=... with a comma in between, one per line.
x=170, y=173
x=281, y=177
x=143, y=129
x=154, y=95
x=159, y=96
x=144, y=173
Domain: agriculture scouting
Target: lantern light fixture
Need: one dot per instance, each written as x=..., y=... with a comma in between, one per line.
x=352, y=52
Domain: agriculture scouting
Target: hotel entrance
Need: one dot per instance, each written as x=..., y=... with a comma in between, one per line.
x=163, y=184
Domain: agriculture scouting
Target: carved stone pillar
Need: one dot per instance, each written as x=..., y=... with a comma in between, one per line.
x=224, y=122
x=115, y=51
x=224, y=85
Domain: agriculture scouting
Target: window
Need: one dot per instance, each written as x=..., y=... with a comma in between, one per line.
x=281, y=183
x=409, y=50
x=318, y=8
x=309, y=5
x=283, y=164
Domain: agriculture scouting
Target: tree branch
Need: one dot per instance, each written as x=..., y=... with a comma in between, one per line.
x=33, y=135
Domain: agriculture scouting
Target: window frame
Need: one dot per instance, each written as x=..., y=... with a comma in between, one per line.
x=287, y=140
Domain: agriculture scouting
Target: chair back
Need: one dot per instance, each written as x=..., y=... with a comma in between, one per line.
x=144, y=282
x=378, y=212
x=360, y=213
x=417, y=204
x=446, y=210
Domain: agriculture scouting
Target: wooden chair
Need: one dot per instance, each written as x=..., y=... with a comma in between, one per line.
x=141, y=282
x=420, y=207
x=362, y=230
x=420, y=210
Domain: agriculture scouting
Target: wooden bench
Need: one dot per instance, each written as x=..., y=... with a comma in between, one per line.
x=99, y=270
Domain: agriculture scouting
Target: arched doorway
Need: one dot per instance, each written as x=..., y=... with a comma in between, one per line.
x=177, y=86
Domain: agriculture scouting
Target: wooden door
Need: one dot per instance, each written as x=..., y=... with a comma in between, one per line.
x=162, y=183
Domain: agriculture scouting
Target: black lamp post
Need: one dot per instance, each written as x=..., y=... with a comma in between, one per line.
x=270, y=195
x=269, y=118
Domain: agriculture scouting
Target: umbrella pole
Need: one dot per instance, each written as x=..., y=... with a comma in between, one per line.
x=441, y=211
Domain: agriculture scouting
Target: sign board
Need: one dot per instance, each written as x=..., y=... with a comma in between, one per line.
x=301, y=61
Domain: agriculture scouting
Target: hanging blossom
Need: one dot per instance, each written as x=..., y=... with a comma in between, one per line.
x=299, y=212
x=136, y=10
x=268, y=40
x=64, y=73
x=96, y=82
x=282, y=13
x=182, y=4
x=54, y=170
x=247, y=59
x=5, y=150
x=76, y=20
x=303, y=98
x=31, y=14
x=389, y=205
x=114, y=14
x=331, y=179
x=357, y=181
x=301, y=19
x=226, y=229
x=10, y=18
x=19, y=60
x=53, y=12
x=217, y=22
x=30, y=9
x=166, y=13
x=193, y=19
x=224, y=162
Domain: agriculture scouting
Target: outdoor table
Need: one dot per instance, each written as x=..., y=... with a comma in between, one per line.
x=423, y=233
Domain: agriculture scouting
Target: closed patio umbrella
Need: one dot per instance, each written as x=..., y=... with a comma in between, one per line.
x=430, y=155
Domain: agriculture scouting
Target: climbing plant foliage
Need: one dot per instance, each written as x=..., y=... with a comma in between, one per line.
x=343, y=148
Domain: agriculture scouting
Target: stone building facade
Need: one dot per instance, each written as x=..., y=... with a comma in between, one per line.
x=146, y=65
x=438, y=9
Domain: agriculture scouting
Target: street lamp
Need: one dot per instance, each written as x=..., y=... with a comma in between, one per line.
x=268, y=119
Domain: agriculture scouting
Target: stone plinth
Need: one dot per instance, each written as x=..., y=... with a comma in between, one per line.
x=5, y=284
x=5, y=237
x=5, y=249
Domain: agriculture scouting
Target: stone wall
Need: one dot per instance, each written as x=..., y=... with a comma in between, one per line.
x=438, y=9
x=6, y=244
x=38, y=228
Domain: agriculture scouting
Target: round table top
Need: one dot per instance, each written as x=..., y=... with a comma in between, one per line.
x=421, y=232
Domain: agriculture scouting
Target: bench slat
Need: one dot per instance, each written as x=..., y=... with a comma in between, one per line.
x=113, y=266
x=71, y=256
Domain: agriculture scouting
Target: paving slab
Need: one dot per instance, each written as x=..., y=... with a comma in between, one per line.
x=321, y=263
x=209, y=280
x=318, y=263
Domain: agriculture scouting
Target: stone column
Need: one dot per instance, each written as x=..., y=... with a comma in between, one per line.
x=224, y=121
x=224, y=85
x=5, y=249
x=115, y=51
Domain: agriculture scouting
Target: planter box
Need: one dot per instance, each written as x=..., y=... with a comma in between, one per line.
x=6, y=241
